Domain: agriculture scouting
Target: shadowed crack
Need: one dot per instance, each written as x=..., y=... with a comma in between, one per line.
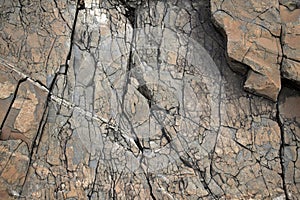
x=150, y=186
x=281, y=151
x=201, y=174
x=42, y=124
x=129, y=13
x=278, y=118
x=144, y=90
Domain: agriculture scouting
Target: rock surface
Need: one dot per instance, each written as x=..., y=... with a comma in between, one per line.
x=116, y=99
x=291, y=48
x=262, y=41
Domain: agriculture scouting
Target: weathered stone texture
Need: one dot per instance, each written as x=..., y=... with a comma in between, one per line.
x=290, y=120
x=121, y=99
x=290, y=39
x=35, y=35
x=23, y=107
x=262, y=36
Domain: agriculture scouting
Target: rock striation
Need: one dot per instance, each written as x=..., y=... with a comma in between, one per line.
x=115, y=99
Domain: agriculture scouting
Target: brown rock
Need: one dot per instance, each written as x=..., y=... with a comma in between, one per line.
x=262, y=85
x=35, y=35
x=291, y=40
x=291, y=70
x=288, y=108
x=25, y=103
x=291, y=46
x=147, y=108
x=8, y=134
x=25, y=113
x=287, y=16
x=8, y=84
x=14, y=174
x=4, y=194
x=252, y=41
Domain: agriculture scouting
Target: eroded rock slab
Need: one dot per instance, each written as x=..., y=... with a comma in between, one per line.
x=262, y=36
x=252, y=29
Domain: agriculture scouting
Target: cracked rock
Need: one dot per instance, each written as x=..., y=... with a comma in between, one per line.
x=116, y=99
x=253, y=42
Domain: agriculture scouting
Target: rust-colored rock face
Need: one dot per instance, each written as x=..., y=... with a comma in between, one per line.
x=114, y=99
x=262, y=36
x=291, y=46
